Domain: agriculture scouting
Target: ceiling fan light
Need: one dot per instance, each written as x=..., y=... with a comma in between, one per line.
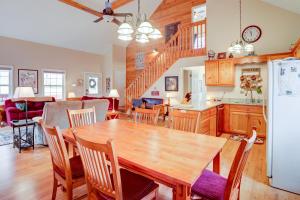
x=142, y=38
x=125, y=29
x=145, y=28
x=156, y=34
x=126, y=37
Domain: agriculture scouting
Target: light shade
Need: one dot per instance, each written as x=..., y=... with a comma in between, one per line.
x=23, y=92
x=125, y=29
x=145, y=28
x=249, y=48
x=125, y=37
x=156, y=34
x=71, y=95
x=114, y=93
x=142, y=38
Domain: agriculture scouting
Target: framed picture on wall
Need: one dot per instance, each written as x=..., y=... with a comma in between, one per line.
x=28, y=78
x=107, y=85
x=139, y=60
x=170, y=30
x=171, y=83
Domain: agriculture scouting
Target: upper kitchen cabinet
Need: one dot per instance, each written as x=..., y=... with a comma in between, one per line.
x=219, y=72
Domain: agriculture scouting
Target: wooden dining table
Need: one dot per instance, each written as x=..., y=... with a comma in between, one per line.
x=171, y=157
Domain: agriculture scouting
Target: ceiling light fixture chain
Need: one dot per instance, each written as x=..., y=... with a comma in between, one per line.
x=240, y=46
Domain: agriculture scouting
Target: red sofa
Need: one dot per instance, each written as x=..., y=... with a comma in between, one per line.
x=35, y=109
x=110, y=107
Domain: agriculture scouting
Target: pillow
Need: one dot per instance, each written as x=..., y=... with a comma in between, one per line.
x=21, y=106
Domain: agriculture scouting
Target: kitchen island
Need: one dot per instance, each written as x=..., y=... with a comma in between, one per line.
x=233, y=116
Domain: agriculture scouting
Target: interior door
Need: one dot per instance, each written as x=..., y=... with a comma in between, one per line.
x=93, y=84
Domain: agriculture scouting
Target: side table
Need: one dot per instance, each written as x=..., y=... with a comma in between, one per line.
x=23, y=140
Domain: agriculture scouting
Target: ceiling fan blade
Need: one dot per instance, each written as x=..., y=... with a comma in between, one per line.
x=122, y=14
x=116, y=22
x=81, y=7
x=98, y=20
x=118, y=3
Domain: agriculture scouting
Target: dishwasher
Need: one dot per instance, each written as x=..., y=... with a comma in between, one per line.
x=220, y=120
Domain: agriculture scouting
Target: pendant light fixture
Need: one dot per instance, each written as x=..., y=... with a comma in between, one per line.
x=240, y=46
x=142, y=29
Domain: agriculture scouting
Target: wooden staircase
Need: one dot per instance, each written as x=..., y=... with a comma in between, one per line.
x=189, y=41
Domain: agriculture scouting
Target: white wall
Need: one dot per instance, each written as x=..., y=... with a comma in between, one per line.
x=28, y=55
x=175, y=70
x=114, y=67
x=280, y=28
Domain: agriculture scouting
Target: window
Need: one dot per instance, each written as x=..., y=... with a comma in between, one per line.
x=54, y=84
x=6, y=87
x=199, y=14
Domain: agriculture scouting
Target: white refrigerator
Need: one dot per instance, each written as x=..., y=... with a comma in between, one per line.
x=283, y=124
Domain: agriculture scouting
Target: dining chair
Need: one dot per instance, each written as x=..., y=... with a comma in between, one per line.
x=147, y=116
x=82, y=117
x=67, y=172
x=212, y=186
x=184, y=120
x=105, y=179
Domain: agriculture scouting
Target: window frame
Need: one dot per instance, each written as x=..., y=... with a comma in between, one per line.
x=64, y=81
x=11, y=80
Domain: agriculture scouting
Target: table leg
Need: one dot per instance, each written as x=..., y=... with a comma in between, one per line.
x=33, y=136
x=216, y=164
x=181, y=192
x=20, y=140
x=14, y=138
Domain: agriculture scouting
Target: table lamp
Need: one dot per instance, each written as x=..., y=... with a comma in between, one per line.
x=169, y=95
x=114, y=94
x=23, y=93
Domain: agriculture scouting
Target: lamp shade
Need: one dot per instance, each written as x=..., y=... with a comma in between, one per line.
x=23, y=92
x=125, y=29
x=114, y=93
x=156, y=34
x=145, y=28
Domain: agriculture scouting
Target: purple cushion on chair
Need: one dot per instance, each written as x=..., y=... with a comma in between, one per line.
x=210, y=186
x=134, y=186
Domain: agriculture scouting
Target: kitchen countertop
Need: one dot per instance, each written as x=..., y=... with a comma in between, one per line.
x=210, y=104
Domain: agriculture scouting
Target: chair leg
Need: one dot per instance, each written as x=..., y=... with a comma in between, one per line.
x=69, y=192
x=55, y=185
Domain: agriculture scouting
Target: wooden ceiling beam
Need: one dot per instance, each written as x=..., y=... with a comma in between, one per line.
x=119, y=3
x=81, y=7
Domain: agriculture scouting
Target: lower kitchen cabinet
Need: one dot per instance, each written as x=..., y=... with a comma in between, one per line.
x=242, y=119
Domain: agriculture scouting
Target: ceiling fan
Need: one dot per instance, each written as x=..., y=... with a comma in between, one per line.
x=107, y=15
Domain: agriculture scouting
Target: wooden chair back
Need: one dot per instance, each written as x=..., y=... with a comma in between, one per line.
x=184, y=121
x=82, y=117
x=147, y=116
x=58, y=150
x=237, y=168
x=96, y=159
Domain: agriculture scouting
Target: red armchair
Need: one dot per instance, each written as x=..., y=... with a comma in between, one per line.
x=35, y=109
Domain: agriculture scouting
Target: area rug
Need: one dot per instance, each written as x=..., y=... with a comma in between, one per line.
x=241, y=137
x=6, y=136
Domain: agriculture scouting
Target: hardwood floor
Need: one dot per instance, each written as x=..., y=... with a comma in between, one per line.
x=29, y=175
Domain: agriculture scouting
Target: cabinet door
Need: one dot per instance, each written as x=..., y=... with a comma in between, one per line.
x=257, y=120
x=226, y=73
x=211, y=72
x=239, y=122
x=226, y=125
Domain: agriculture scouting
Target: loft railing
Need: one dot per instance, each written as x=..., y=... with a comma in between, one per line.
x=189, y=41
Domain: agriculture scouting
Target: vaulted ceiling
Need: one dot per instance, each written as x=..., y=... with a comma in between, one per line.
x=54, y=23
x=290, y=5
